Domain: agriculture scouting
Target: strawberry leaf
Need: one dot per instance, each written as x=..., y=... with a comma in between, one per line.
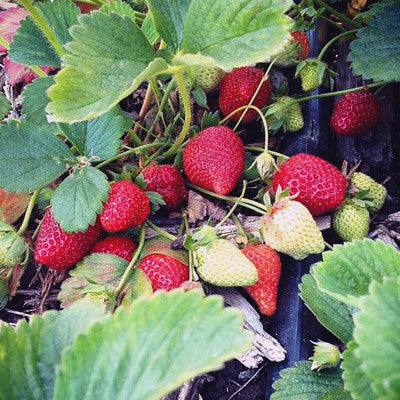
x=335, y=316
x=5, y=106
x=12, y=205
x=355, y=380
x=79, y=198
x=375, y=54
x=86, y=87
x=30, y=46
x=30, y=157
x=300, y=383
x=147, y=351
x=149, y=29
x=234, y=33
x=31, y=352
x=377, y=332
x=119, y=7
x=346, y=272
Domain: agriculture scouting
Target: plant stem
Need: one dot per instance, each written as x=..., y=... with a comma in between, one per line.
x=340, y=16
x=333, y=23
x=160, y=231
x=128, y=269
x=38, y=17
x=274, y=153
x=28, y=212
x=143, y=109
x=188, y=114
x=250, y=204
x=326, y=47
x=238, y=224
x=322, y=95
x=126, y=153
x=230, y=212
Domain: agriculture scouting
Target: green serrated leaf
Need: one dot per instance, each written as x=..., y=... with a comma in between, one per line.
x=377, y=333
x=151, y=349
x=375, y=54
x=34, y=103
x=5, y=106
x=333, y=315
x=346, y=272
x=355, y=380
x=98, y=268
x=97, y=139
x=169, y=19
x=300, y=383
x=156, y=201
x=30, y=46
x=100, y=73
x=30, y=353
x=119, y=7
x=30, y=157
x=149, y=29
x=234, y=33
x=79, y=198
x=200, y=96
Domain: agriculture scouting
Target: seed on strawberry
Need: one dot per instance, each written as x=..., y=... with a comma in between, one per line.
x=237, y=90
x=351, y=221
x=215, y=159
x=58, y=249
x=127, y=206
x=290, y=228
x=376, y=192
x=268, y=264
x=165, y=272
x=168, y=182
x=319, y=185
x=355, y=114
x=118, y=245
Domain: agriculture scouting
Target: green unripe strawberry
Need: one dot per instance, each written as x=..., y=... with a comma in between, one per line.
x=351, y=221
x=312, y=73
x=223, y=264
x=376, y=192
x=286, y=113
x=12, y=247
x=209, y=78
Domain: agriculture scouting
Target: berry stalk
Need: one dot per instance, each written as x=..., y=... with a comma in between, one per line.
x=28, y=212
x=161, y=231
x=326, y=47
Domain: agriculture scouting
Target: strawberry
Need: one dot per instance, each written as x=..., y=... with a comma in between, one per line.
x=319, y=185
x=209, y=78
x=12, y=246
x=268, y=264
x=127, y=206
x=355, y=114
x=223, y=264
x=351, y=221
x=58, y=249
x=168, y=182
x=118, y=245
x=285, y=112
x=215, y=159
x=290, y=228
x=164, y=271
x=297, y=49
x=376, y=192
x=312, y=73
x=237, y=90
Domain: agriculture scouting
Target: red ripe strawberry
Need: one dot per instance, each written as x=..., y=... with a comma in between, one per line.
x=320, y=186
x=301, y=38
x=214, y=159
x=58, y=249
x=127, y=206
x=168, y=182
x=268, y=264
x=118, y=245
x=165, y=272
x=237, y=90
x=355, y=114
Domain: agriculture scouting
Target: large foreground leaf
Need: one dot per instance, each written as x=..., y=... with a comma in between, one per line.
x=30, y=353
x=377, y=333
x=346, y=272
x=79, y=198
x=30, y=46
x=375, y=54
x=149, y=350
x=334, y=315
x=30, y=157
x=236, y=32
x=101, y=72
x=300, y=383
